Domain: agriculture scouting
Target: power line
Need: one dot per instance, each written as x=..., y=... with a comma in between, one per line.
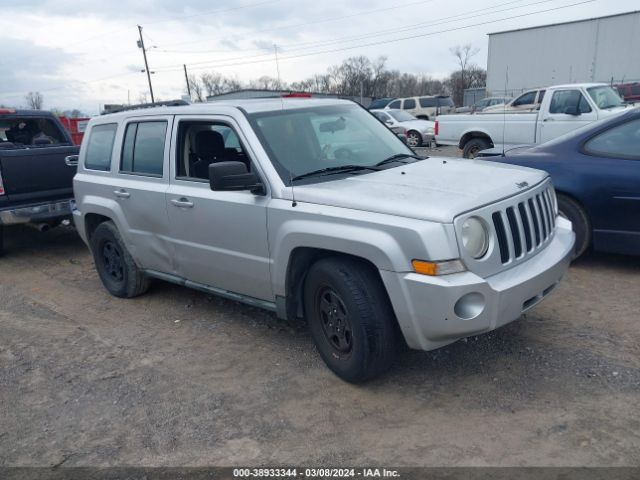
x=439, y=21
x=382, y=42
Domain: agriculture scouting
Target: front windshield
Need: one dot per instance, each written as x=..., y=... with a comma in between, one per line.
x=303, y=140
x=402, y=116
x=605, y=97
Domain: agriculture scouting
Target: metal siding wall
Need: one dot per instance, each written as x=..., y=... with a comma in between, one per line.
x=593, y=50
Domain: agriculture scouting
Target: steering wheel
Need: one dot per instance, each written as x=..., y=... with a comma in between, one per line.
x=343, y=153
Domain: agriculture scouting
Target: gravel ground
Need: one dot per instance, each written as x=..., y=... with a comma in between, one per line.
x=177, y=377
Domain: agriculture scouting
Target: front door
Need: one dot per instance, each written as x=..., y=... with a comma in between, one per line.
x=569, y=109
x=219, y=238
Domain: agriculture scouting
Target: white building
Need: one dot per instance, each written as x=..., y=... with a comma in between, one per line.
x=603, y=49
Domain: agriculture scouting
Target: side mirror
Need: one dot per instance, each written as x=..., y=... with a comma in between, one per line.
x=388, y=122
x=233, y=176
x=572, y=110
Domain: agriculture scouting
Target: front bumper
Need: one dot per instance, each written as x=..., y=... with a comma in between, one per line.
x=435, y=311
x=37, y=213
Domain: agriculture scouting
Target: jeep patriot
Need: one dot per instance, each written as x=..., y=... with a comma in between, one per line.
x=314, y=209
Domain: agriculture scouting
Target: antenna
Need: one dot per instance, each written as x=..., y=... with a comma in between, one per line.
x=293, y=196
x=504, y=108
x=275, y=49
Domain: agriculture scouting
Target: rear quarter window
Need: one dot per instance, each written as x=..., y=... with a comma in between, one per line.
x=143, y=148
x=100, y=147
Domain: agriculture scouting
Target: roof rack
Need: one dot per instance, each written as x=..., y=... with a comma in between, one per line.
x=123, y=108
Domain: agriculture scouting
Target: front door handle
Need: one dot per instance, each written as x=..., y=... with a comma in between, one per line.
x=182, y=202
x=548, y=119
x=122, y=193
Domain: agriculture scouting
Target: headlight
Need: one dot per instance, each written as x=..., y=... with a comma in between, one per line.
x=475, y=237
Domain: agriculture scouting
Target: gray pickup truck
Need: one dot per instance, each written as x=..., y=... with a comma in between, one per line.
x=36, y=177
x=314, y=209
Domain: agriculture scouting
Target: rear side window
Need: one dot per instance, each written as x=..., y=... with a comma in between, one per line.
x=621, y=141
x=143, y=148
x=100, y=146
x=445, y=102
x=426, y=102
x=409, y=104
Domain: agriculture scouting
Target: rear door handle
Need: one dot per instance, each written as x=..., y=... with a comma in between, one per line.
x=182, y=202
x=122, y=193
x=71, y=160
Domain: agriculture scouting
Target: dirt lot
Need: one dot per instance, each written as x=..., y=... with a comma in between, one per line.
x=177, y=377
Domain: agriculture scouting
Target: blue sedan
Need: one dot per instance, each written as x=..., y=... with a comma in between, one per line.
x=596, y=173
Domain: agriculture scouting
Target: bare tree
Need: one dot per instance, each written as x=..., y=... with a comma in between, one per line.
x=463, y=54
x=197, y=89
x=34, y=100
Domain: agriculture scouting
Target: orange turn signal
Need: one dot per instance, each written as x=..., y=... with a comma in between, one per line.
x=434, y=269
x=425, y=268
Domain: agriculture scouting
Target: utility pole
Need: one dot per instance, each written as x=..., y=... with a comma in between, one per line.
x=146, y=64
x=186, y=77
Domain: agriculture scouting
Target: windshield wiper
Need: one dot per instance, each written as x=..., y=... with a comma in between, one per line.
x=397, y=158
x=334, y=170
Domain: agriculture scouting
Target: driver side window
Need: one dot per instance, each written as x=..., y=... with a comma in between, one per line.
x=202, y=143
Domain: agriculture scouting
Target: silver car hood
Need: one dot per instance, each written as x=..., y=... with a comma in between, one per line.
x=435, y=189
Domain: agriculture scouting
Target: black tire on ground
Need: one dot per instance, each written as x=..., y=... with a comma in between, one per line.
x=573, y=211
x=475, y=145
x=119, y=273
x=414, y=138
x=350, y=318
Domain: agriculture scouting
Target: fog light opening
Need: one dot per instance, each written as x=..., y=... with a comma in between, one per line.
x=469, y=306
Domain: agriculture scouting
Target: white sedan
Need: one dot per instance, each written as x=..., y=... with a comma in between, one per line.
x=419, y=132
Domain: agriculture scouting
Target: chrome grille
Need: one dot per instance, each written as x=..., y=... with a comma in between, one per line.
x=526, y=226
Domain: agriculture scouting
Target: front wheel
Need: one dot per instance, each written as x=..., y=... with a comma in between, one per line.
x=350, y=318
x=414, y=139
x=475, y=146
x=119, y=273
x=571, y=210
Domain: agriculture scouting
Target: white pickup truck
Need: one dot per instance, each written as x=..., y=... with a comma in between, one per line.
x=563, y=109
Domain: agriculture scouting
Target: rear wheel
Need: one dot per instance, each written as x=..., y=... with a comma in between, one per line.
x=573, y=211
x=414, y=139
x=474, y=146
x=350, y=318
x=119, y=273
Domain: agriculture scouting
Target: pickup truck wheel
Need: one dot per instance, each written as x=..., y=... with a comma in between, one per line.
x=119, y=273
x=350, y=318
x=414, y=139
x=572, y=211
x=473, y=146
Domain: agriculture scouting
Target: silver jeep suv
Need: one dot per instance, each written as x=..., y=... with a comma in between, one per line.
x=314, y=209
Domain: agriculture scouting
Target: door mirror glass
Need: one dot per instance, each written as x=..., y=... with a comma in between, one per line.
x=233, y=176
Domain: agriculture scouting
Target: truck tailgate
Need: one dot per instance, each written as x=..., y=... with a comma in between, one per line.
x=32, y=174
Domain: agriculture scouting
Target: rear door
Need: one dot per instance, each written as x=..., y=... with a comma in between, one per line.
x=139, y=186
x=568, y=109
x=32, y=154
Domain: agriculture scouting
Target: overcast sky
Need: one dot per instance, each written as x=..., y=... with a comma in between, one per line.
x=83, y=54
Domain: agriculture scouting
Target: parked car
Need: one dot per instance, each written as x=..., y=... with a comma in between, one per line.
x=529, y=100
x=314, y=209
x=630, y=92
x=424, y=108
x=483, y=104
x=35, y=180
x=418, y=132
x=564, y=108
x=380, y=103
x=596, y=172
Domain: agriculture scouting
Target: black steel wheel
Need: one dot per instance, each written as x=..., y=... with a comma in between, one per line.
x=118, y=271
x=350, y=318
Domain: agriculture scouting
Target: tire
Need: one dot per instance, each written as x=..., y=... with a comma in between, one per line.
x=350, y=318
x=573, y=211
x=119, y=273
x=414, y=139
x=473, y=146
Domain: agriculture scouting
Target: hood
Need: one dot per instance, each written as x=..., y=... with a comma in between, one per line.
x=436, y=189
